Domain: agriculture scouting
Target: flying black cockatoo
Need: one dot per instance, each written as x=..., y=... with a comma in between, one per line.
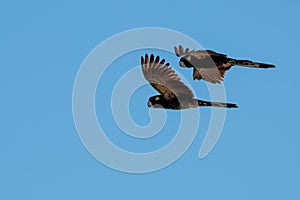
x=173, y=93
x=209, y=65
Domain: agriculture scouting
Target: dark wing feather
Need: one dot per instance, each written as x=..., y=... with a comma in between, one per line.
x=203, y=54
x=180, y=51
x=223, y=70
x=207, y=65
x=212, y=75
x=163, y=78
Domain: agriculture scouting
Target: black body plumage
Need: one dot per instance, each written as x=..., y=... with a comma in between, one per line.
x=174, y=94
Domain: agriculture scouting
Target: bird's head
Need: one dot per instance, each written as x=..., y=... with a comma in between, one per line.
x=156, y=102
x=186, y=61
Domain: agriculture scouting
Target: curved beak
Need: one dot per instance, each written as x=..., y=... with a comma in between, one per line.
x=149, y=104
x=181, y=64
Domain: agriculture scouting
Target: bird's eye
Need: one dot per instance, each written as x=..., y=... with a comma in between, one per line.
x=189, y=58
x=156, y=98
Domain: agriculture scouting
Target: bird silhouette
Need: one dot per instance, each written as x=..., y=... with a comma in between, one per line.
x=211, y=66
x=174, y=94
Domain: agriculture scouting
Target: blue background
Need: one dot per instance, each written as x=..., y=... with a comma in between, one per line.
x=42, y=45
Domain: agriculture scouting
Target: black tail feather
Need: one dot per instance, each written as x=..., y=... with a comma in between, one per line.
x=217, y=104
x=248, y=63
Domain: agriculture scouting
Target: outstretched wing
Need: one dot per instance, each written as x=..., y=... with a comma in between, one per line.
x=163, y=78
x=212, y=75
x=180, y=51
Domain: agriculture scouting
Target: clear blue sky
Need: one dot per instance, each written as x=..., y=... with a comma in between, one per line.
x=42, y=45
